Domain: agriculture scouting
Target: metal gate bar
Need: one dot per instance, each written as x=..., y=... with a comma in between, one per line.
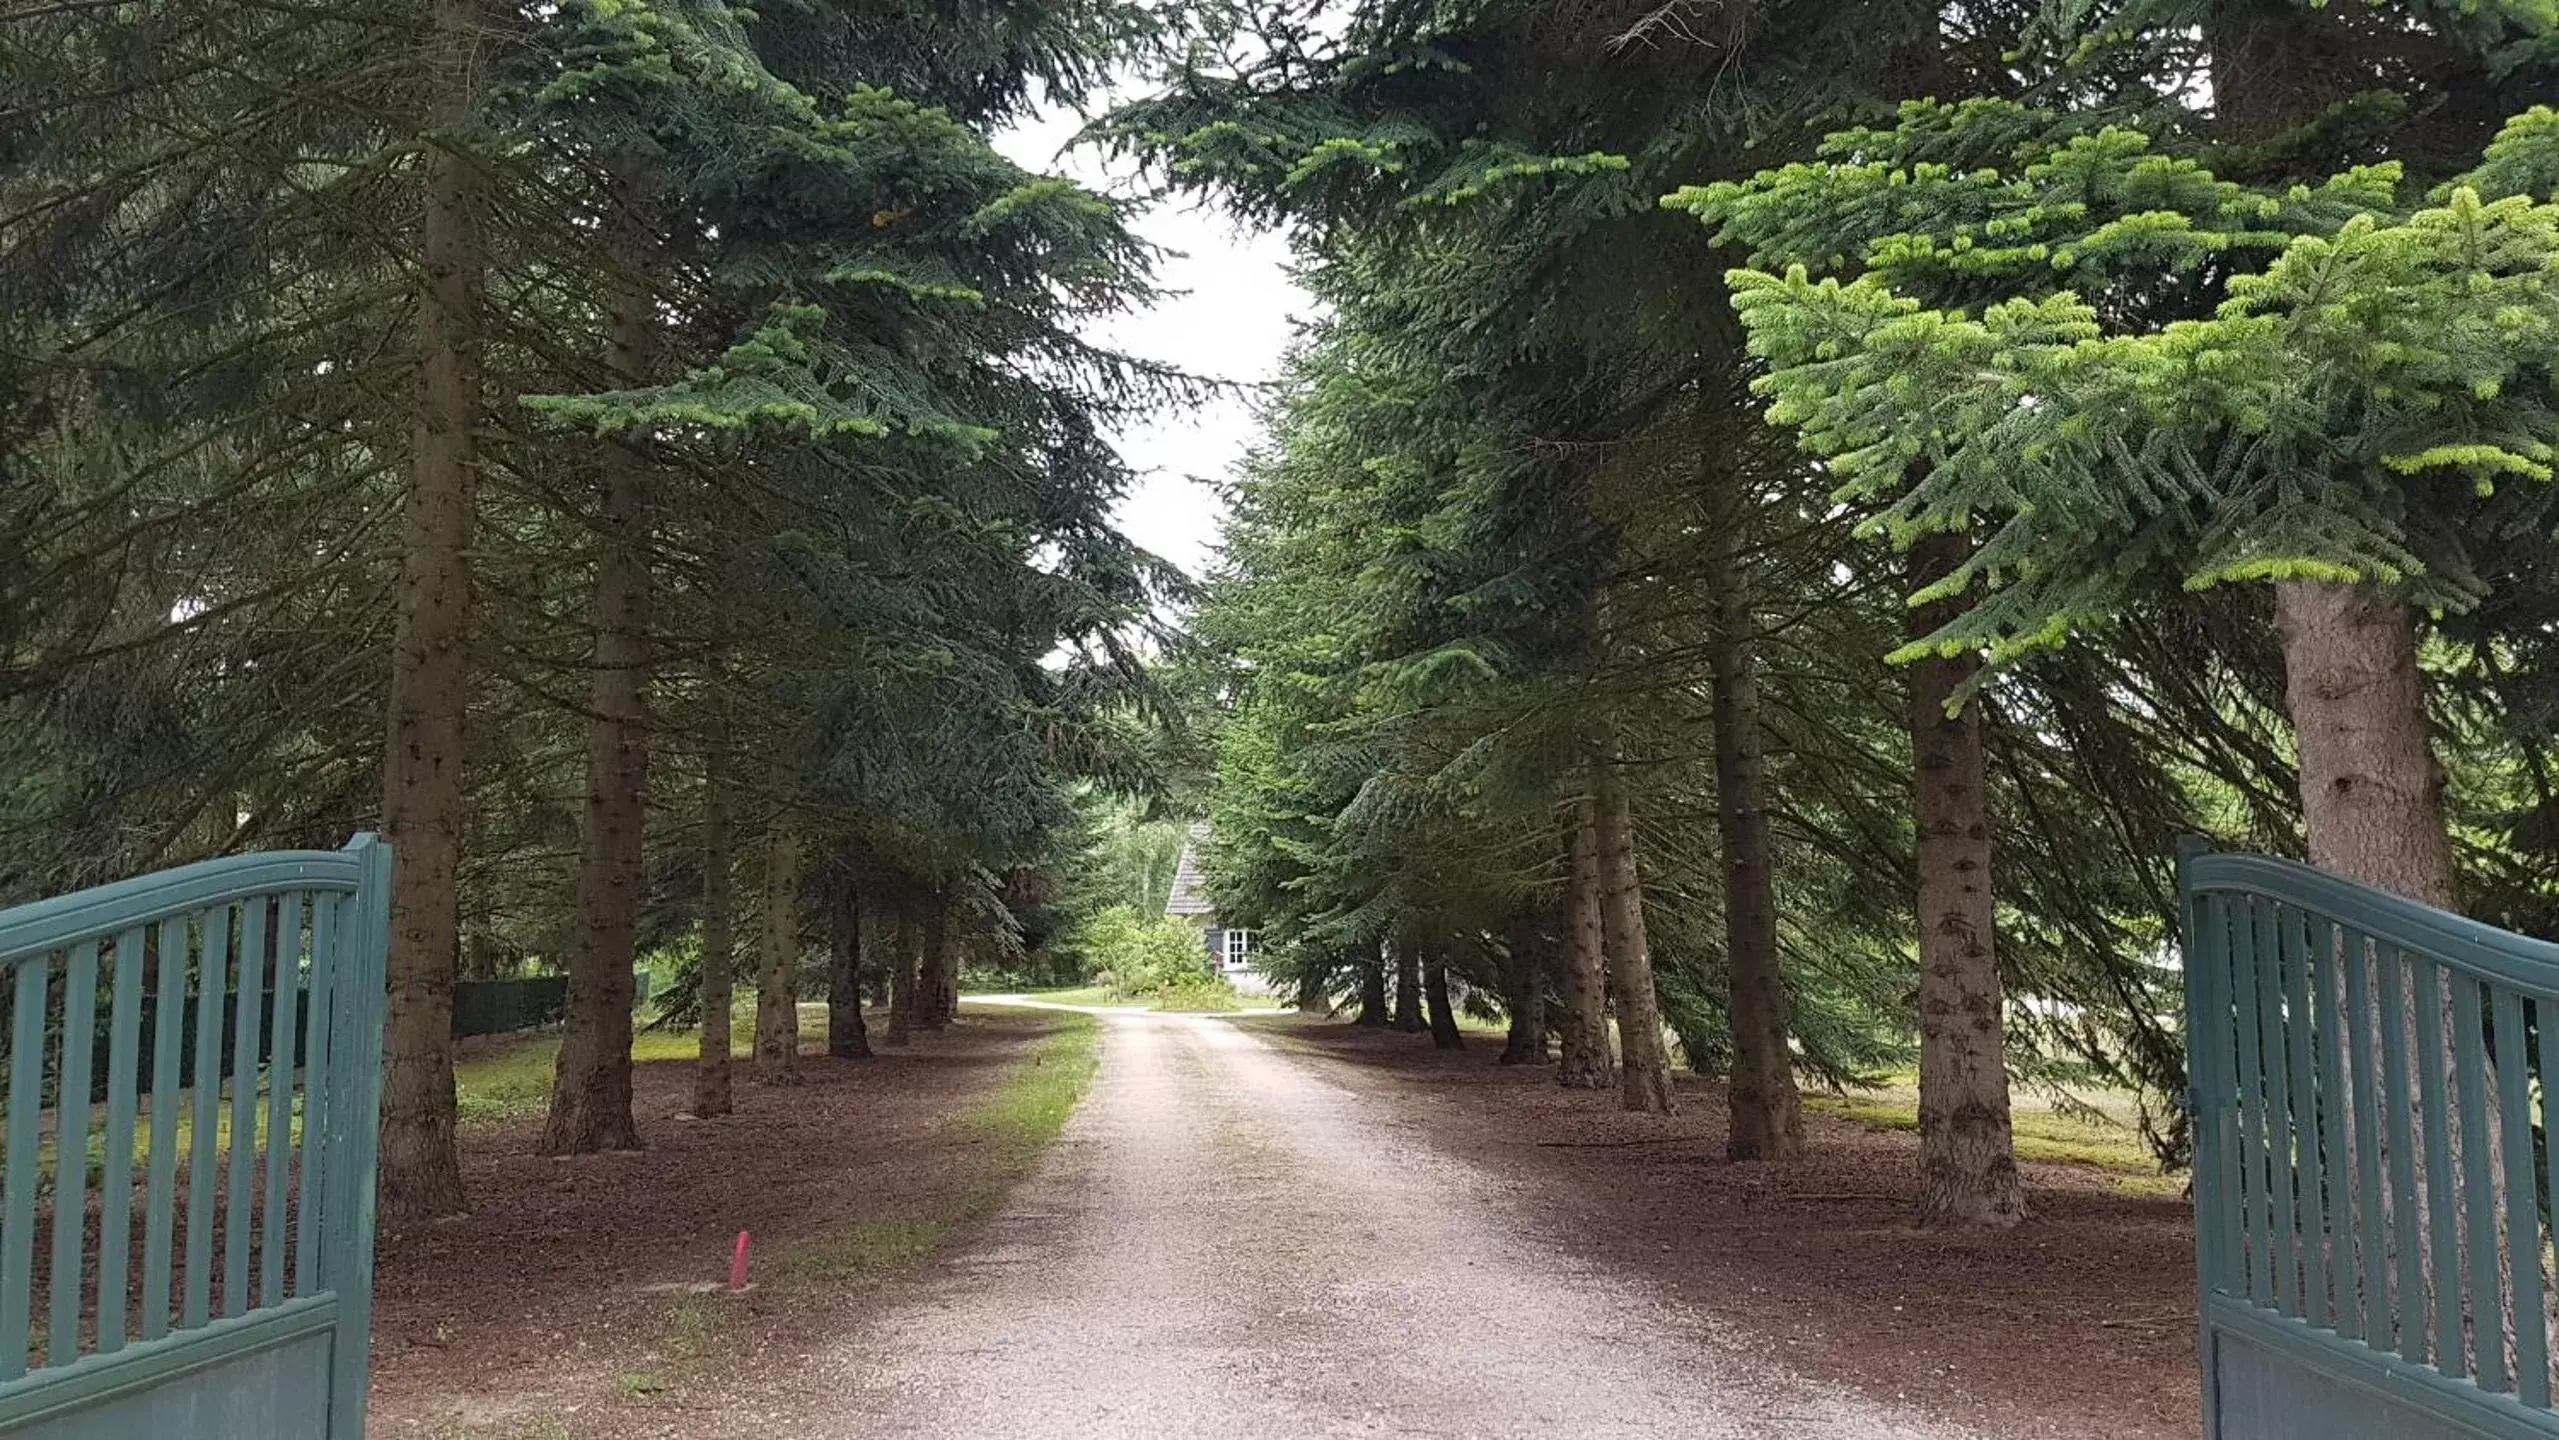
x=240, y=1303
x=2373, y=1169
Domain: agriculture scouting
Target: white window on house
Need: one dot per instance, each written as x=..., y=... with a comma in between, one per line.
x=1239, y=948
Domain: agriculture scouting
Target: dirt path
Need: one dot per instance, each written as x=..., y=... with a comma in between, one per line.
x=1819, y=1260
x=560, y=1306
x=1225, y=1242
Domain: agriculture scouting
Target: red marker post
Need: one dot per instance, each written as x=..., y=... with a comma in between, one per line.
x=737, y=1265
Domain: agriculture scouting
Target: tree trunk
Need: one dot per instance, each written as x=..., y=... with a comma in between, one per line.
x=1524, y=977
x=2373, y=812
x=902, y=972
x=1444, y=1032
x=1767, y=1113
x=777, y=987
x=591, y=1085
x=1311, y=998
x=2372, y=801
x=421, y=1171
x=1586, y=1063
x=847, y=1037
x=937, y=989
x=1408, y=991
x=954, y=958
x=2372, y=793
x=480, y=954
x=713, y=1092
x=1644, y=1068
x=1372, y=991
x=1967, y=1153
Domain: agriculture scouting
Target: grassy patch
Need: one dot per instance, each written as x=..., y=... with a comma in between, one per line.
x=2043, y=1133
x=504, y=1082
x=1093, y=995
x=510, y=1079
x=1208, y=997
x=859, y=1252
x=1026, y=1112
x=1031, y=1105
x=181, y=1106
x=695, y=1327
x=1207, y=1000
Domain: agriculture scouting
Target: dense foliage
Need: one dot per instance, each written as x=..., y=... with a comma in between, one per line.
x=676, y=417
x=2099, y=327
x=1787, y=512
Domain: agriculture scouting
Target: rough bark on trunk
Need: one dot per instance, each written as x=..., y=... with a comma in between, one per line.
x=1767, y=1113
x=1408, y=1017
x=1444, y=1032
x=777, y=981
x=1586, y=1063
x=1644, y=1061
x=421, y=1170
x=847, y=1036
x=2372, y=801
x=591, y=1084
x=1372, y=991
x=713, y=1087
x=2373, y=812
x=1967, y=1151
x=1524, y=992
x=937, y=990
x=902, y=972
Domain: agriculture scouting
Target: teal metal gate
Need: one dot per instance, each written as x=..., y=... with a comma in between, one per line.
x=194, y=1080
x=2372, y=1178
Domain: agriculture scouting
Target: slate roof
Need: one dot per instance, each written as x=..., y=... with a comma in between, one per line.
x=1190, y=895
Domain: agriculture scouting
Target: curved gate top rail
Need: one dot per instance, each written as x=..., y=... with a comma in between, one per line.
x=2373, y=1178
x=2485, y=951
x=187, y=1160
x=45, y=925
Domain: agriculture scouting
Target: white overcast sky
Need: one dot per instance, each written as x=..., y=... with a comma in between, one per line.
x=1228, y=314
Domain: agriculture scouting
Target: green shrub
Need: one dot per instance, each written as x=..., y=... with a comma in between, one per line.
x=1155, y=959
x=1206, y=993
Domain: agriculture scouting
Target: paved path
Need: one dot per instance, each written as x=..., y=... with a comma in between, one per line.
x=1223, y=1243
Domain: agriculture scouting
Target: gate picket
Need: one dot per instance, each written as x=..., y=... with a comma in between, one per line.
x=161, y=1178
x=2370, y=1191
x=257, y=1322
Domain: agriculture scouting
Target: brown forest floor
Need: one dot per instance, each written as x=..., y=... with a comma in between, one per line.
x=580, y=1298
x=2078, y=1324
x=579, y=1301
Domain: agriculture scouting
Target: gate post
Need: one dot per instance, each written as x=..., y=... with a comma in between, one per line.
x=355, y=1121
x=2205, y=1099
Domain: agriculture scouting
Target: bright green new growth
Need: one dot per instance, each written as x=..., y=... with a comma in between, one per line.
x=2116, y=366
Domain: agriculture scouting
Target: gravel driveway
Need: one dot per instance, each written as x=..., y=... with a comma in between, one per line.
x=1225, y=1244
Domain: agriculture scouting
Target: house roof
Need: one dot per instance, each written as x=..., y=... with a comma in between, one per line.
x=1190, y=895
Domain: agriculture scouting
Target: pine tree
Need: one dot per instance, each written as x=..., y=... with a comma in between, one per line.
x=2338, y=425
x=422, y=779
